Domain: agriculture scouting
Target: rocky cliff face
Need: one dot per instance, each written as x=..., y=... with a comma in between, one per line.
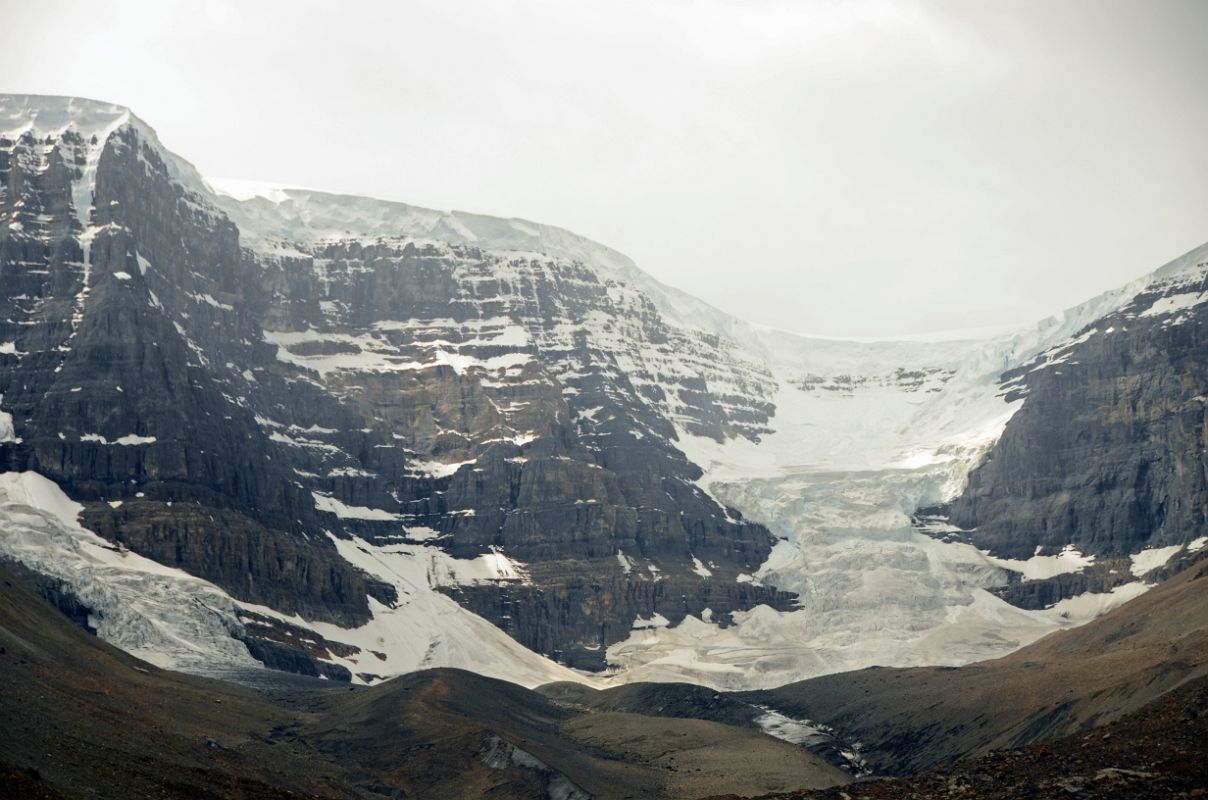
x=231, y=410
x=516, y=406
x=1108, y=452
x=121, y=380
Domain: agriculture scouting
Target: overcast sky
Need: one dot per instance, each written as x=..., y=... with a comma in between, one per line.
x=840, y=168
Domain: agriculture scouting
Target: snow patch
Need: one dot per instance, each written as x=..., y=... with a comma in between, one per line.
x=331, y=505
x=422, y=533
x=437, y=469
x=1175, y=302
x=1087, y=606
x=656, y=620
x=8, y=432
x=1147, y=561
x=1038, y=568
x=794, y=731
x=625, y=562
x=490, y=567
x=132, y=439
x=129, y=440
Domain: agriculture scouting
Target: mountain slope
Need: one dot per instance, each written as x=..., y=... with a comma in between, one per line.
x=431, y=399
x=1107, y=452
x=351, y=417
x=1158, y=751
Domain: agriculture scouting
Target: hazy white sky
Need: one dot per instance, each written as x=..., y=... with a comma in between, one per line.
x=842, y=168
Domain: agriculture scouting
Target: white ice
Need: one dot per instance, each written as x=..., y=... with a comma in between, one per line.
x=1147, y=561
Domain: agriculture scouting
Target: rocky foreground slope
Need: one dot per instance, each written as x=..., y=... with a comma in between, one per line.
x=1156, y=752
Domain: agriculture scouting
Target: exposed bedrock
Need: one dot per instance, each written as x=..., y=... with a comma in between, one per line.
x=1108, y=451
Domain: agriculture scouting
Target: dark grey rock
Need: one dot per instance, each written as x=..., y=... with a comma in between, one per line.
x=1108, y=451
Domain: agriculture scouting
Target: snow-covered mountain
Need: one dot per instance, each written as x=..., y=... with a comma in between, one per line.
x=341, y=435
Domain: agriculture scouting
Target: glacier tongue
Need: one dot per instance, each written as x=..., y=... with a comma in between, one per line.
x=160, y=614
x=864, y=434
